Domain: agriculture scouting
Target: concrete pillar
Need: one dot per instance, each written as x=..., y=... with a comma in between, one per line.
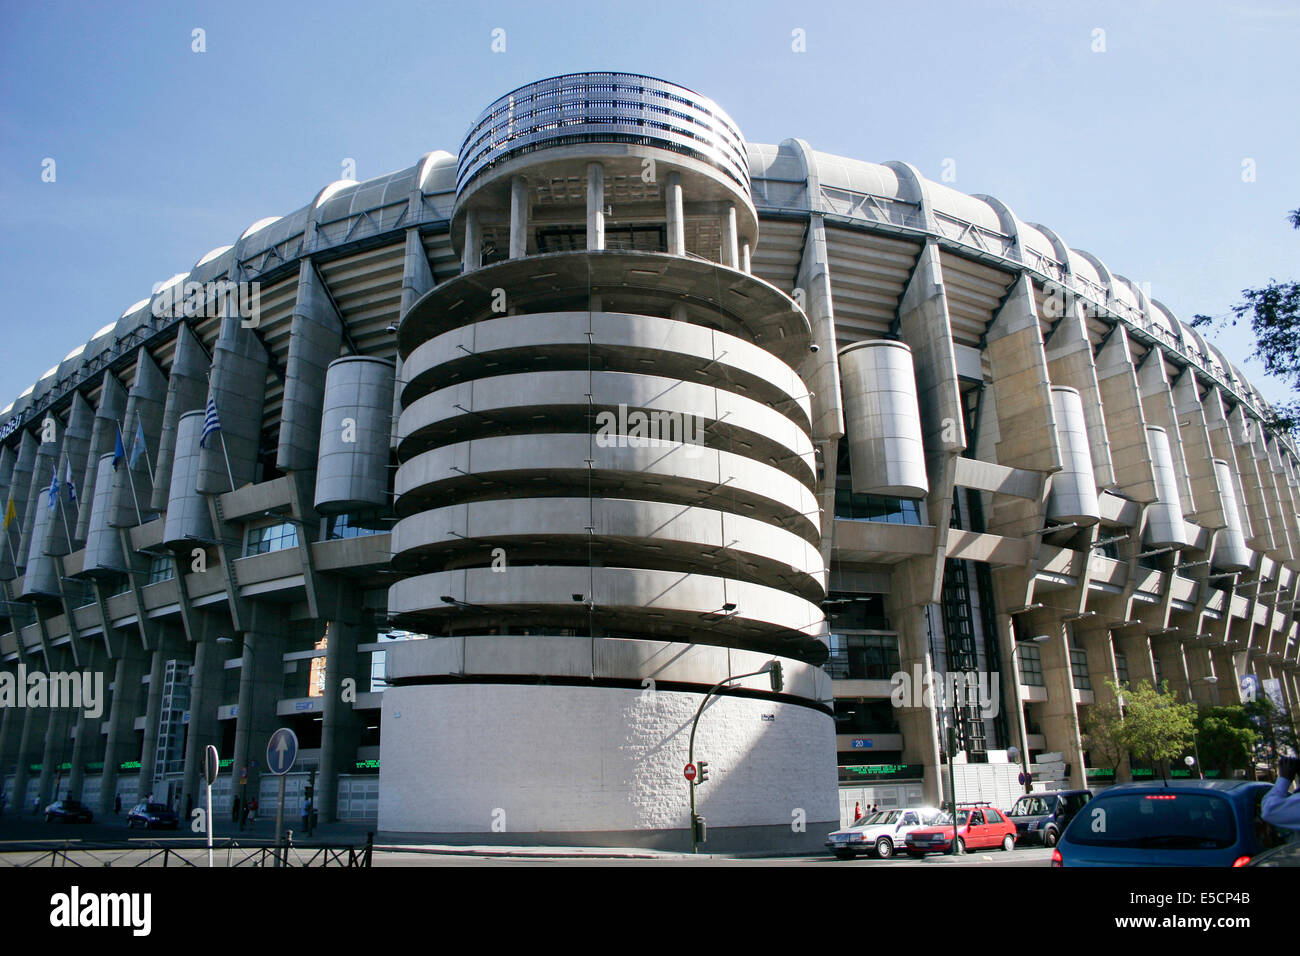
x=58, y=747
x=595, y=206
x=20, y=489
x=744, y=258
x=10, y=724
x=1126, y=422
x=124, y=706
x=187, y=391
x=30, y=741
x=204, y=728
x=472, y=255
x=87, y=742
x=341, y=725
x=133, y=486
x=676, y=217
x=238, y=388
x=730, y=242
x=261, y=681
x=170, y=647
x=919, y=726
x=315, y=336
x=518, y=217
x=103, y=437
x=1060, y=717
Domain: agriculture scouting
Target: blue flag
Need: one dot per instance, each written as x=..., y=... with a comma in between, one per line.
x=54, y=487
x=119, y=451
x=67, y=480
x=211, y=423
x=137, y=444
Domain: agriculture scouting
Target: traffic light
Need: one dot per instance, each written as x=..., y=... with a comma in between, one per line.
x=777, y=676
x=704, y=772
x=308, y=791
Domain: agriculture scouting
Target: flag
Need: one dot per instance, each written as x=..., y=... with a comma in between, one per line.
x=137, y=444
x=11, y=513
x=67, y=480
x=211, y=423
x=119, y=450
x=54, y=487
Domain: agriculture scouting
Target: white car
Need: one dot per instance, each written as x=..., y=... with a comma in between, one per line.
x=880, y=832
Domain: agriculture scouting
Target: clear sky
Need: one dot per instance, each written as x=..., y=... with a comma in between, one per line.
x=1134, y=153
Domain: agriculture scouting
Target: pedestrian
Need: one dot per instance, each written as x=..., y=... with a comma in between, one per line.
x=1280, y=808
x=243, y=816
x=252, y=810
x=857, y=811
x=875, y=808
x=117, y=804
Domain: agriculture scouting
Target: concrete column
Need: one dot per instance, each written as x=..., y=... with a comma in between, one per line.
x=187, y=390
x=127, y=694
x=30, y=740
x=730, y=243
x=10, y=724
x=1200, y=665
x=261, y=681
x=676, y=217
x=595, y=206
x=87, y=742
x=103, y=437
x=170, y=647
x=518, y=217
x=58, y=746
x=919, y=725
x=341, y=725
x=1126, y=422
x=471, y=256
x=1060, y=717
x=204, y=729
x=744, y=258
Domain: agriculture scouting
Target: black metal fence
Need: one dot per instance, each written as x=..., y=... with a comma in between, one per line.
x=228, y=853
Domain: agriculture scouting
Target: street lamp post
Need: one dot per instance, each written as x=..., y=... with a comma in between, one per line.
x=778, y=680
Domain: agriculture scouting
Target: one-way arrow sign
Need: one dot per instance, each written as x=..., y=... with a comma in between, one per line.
x=281, y=751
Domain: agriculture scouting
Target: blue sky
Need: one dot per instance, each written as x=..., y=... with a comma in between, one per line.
x=1134, y=154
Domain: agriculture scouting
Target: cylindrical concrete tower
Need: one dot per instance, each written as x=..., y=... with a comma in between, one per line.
x=187, y=511
x=886, y=454
x=1165, y=524
x=1073, y=495
x=607, y=492
x=352, y=469
x=1230, y=551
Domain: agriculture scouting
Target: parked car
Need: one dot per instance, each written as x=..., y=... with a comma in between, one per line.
x=1183, y=823
x=68, y=811
x=1043, y=817
x=880, y=833
x=979, y=826
x=152, y=815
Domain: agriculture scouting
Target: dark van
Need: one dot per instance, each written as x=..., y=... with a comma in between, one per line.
x=1042, y=817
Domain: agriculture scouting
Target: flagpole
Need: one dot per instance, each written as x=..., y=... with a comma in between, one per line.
x=66, y=530
x=147, y=462
x=226, y=454
x=139, y=519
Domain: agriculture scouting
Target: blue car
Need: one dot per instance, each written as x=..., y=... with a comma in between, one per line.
x=1184, y=823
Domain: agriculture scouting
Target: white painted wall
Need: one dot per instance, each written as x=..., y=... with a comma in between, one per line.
x=550, y=758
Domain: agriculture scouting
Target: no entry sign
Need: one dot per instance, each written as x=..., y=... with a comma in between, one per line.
x=689, y=772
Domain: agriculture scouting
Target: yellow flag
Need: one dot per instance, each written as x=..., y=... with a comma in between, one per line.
x=10, y=512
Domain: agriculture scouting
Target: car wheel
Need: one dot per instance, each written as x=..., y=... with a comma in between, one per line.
x=843, y=854
x=1049, y=838
x=1008, y=843
x=961, y=846
x=884, y=848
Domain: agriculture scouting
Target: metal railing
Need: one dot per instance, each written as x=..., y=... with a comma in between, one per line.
x=286, y=854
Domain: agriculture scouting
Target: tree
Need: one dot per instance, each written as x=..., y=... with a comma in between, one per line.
x=1276, y=737
x=1225, y=739
x=1103, y=732
x=1156, y=728
x=1274, y=313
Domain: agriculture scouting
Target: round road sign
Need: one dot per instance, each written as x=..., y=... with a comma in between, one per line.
x=689, y=772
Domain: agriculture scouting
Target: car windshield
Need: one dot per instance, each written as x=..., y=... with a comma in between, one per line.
x=156, y=808
x=944, y=819
x=1167, y=821
x=1031, y=807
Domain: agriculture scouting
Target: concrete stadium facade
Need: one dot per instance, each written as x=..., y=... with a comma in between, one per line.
x=524, y=449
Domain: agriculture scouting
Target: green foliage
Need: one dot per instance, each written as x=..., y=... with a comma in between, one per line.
x=1156, y=727
x=1103, y=732
x=1276, y=737
x=1274, y=313
x=1226, y=739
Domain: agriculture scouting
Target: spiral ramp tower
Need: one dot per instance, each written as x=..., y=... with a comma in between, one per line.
x=607, y=491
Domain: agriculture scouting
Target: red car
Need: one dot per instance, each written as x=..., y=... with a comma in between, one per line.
x=979, y=827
